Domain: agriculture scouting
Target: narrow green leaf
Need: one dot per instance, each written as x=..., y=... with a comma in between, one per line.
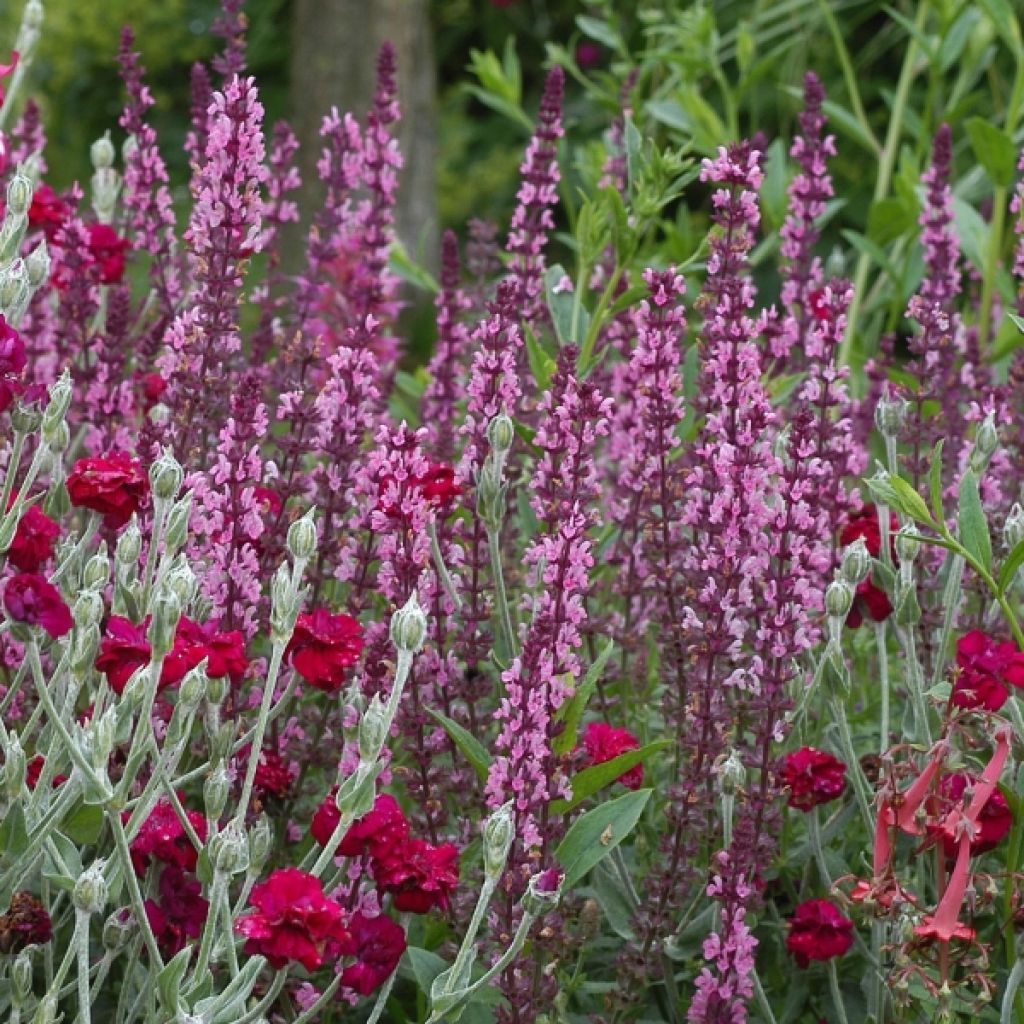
x=1018, y=321
x=1008, y=570
x=598, y=832
x=895, y=492
x=873, y=251
x=541, y=364
x=593, y=779
x=1005, y=21
x=168, y=981
x=571, y=712
x=472, y=749
x=972, y=525
x=600, y=31
x=422, y=966
x=994, y=149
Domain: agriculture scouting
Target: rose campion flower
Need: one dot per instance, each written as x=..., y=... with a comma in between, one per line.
x=181, y=912
x=13, y=360
x=26, y=923
x=994, y=821
x=818, y=931
x=869, y=601
x=378, y=943
x=988, y=668
x=125, y=648
x=34, y=769
x=437, y=485
x=813, y=777
x=419, y=876
x=34, y=540
x=323, y=647
x=603, y=743
x=382, y=827
x=114, y=485
x=163, y=837
x=33, y=600
x=106, y=249
x=153, y=388
x=48, y=212
x=293, y=920
x=274, y=777
x=223, y=649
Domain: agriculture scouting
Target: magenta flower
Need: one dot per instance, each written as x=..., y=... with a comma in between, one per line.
x=34, y=601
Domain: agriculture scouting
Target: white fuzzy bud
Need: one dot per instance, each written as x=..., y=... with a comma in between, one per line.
x=499, y=832
x=166, y=476
x=90, y=895
x=302, y=539
x=856, y=563
x=409, y=626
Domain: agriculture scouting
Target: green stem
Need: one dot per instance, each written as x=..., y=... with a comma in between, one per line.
x=276, y=656
x=883, y=683
x=500, y=594
x=762, y=1000
x=82, y=947
x=837, y=995
x=138, y=904
x=814, y=834
x=860, y=784
x=442, y=570
x=595, y=324
x=267, y=1001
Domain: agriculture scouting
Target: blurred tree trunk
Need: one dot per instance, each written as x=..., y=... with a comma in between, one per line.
x=334, y=64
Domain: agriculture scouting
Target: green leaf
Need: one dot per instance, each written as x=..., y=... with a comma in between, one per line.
x=895, y=492
x=1008, y=570
x=872, y=251
x=617, y=907
x=13, y=834
x=888, y=219
x=571, y=712
x=409, y=270
x=935, y=482
x=472, y=749
x=1005, y=21
x=972, y=231
x=598, y=832
x=563, y=306
x=1018, y=321
x=63, y=863
x=972, y=525
x=168, y=981
x=994, y=149
x=541, y=364
x=593, y=779
x=423, y=966
x=600, y=31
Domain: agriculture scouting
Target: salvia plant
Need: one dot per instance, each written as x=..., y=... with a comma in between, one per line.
x=632, y=660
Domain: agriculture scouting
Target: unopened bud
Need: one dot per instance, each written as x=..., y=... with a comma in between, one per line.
x=84, y=648
x=220, y=748
x=37, y=266
x=166, y=615
x=60, y=399
x=907, y=546
x=501, y=433
x=46, y=1012
x=409, y=626
x=102, y=152
x=182, y=582
x=215, y=793
x=838, y=599
x=490, y=496
x=731, y=773
x=13, y=285
x=302, y=539
x=499, y=832
x=96, y=574
x=891, y=414
x=166, y=476
x=229, y=849
x=1013, y=527
x=88, y=609
x=90, y=895
x=118, y=928
x=543, y=892
x=261, y=841
x=217, y=689
x=129, y=544
x=284, y=605
x=21, y=978
x=177, y=523
x=193, y=687
x=58, y=439
x=986, y=441
x=19, y=193
x=856, y=563
x=373, y=730
x=26, y=417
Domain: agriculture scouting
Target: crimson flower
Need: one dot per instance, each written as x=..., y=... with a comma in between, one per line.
x=34, y=539
x=153, y=388
x=419, y=876
x=323, y=646
x=35, y=768
x=106, y=249
x=813, y=777
x=294, y=920
x=382, y=827
x=115, y=485
x=224, y=650
x=48, y=211
x=163, y=836
x=377, y=944
x=33, y=600
x=273, y=775
x=13, y=360
x=987, y=669
x=26, y=923
x=869, y=600
x=603, y=743
x=437, y=486
x=818, y=931
x=994, y=820
x=181, y=912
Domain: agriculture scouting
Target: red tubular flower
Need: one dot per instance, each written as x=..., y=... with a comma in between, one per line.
x=106, y=249
x=818, y=931
x=35, y=601
x=181, y=912
x=813, y=777
x=988, y=668
x=294, y=920
x=115, y=485
x=323, y=646
x=13, y=360
x=993, y=823
x=34, y=540
x=377, y=944
x=419, y=876
x=603, y=743
x=163, y=836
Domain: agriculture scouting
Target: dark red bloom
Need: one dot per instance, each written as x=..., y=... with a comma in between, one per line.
x=870, y=601
x=437, y=485
x=223, y=649
x=34, y=540
x=384, y=826
x=181, y=912
x=323, y=646
x=589, y=54
x=603, y=743
x=115, y=485
x=153, y=388
x=377, y=944
x=813, y=777
x=994, y=821
x=294, y=920
x=818, y=931
x=163, y=836
x=988, y=668
x=33, y=600
x=26, y=923
x=123, y=649
x=35, y=768
x=274, y=777
x=48, y=211
x=13, y=360
x=106, y=249
x=419, y=876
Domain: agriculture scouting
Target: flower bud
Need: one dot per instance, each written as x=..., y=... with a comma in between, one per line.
x=182, y=582
x=490, y=496
x=177, y=523
x=220, y=747
x=302, y=539
x=32, y=16
x=85, y=646
x=118, y=928
x=101, y=152
x=838, y=599
x=13, y=285
x=229, y=850
x=129, y=544
x=88, y=608
x=499, y=832
x=986, y=441
x=856, y=563
x=891, y=414
x=14, y=768
x=501, y=433
x=356, y=793
x=57, y=408
x=409, y=626
x=19, y=193
x=1013, y=527
x=21, y=978
x=261, y=842
x=543, y=892
x=166, y=615
x=96, y=574
x=907, y=546
x=284, y=605
x=59, y=440
x=731, y=773
x=217, y=689
x=215, y=793
x=90, y=895
x=166, y=476
x=37, y=266
x=46, y=1012
x=26, y=417
x=373, y=730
